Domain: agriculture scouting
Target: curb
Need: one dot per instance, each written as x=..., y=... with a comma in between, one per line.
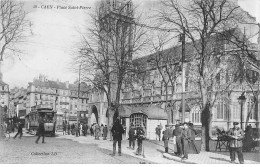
x=177, y=159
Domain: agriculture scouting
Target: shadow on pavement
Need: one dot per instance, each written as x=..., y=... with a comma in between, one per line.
x=251, y=156
x=161, y=151
x=220, y=159
x=125, y=157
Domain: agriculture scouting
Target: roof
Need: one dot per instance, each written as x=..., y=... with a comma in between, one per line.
x=174, y=53
x=59, y=85
x=152, y=111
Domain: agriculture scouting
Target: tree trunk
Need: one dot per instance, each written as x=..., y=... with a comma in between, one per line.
x=1, y=122
x=257, y=113
x=166, y=104
x=118, y=91
x=206, y=123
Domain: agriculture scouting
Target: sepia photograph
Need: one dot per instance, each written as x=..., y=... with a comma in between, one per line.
x=130, y=82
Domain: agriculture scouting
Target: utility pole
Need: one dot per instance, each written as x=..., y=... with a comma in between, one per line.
x=183, y=74
x=78, y=96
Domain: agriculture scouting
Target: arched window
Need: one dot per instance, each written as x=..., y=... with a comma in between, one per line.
x=236, y=111
x=251, y=107
x=196, y=114
x=138, y=119
x=222, y=109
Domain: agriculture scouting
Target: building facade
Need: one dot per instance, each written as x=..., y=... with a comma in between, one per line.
x=148, y=91
x=61, y=96
x=4, y=98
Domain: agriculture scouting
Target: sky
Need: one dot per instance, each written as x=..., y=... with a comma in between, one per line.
x=53, y=37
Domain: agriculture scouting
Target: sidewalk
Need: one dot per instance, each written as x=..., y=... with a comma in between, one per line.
x=214, y=157
x=154, y=152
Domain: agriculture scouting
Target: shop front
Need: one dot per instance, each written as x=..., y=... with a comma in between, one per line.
x=148, y=116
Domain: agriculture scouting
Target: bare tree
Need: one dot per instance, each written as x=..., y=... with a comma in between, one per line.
x=107, y=50
x=202, y=22
x=166, y=62
x=246, y=72
x=13, y=26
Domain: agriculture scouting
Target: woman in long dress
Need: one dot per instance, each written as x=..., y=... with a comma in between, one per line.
x=97, y=132
x=248, y=140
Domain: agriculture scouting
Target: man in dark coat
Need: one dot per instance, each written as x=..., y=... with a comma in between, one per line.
x=64, y=128
x=105, y=130
x=85, y=129
x=91, y=130
x=131, y=135
x=140, y=136
x=166, y=136
x=20, y=130
x=68, y=129
x=177, y=132
x=41, y=130
x=77, y=130
x=236, y=134
x=117, y=131
x=158, y=132
x=186, y=136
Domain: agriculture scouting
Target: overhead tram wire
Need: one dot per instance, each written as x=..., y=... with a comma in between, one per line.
x=20, y=59
x=135, y=23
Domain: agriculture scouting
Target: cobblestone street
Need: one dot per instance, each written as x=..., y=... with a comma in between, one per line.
x=66, y=149
x=57, y=150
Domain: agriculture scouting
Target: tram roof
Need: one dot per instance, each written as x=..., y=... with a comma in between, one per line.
x=45, y=110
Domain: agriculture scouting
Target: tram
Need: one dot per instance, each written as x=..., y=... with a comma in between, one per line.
x=49, y=116
x=82, y=117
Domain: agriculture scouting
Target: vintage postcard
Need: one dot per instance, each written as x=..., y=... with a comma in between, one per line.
x=129, y=81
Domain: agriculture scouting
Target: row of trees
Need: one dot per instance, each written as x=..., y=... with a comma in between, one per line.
x=114, y=37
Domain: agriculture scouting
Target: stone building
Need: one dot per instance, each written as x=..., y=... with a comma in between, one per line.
x=61, y=96
x=4, y=98
x=149, y=98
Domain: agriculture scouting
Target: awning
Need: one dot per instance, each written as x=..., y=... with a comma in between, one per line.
x=152, y=111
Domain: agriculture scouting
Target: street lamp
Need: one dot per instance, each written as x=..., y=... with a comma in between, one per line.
x=242, y=100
